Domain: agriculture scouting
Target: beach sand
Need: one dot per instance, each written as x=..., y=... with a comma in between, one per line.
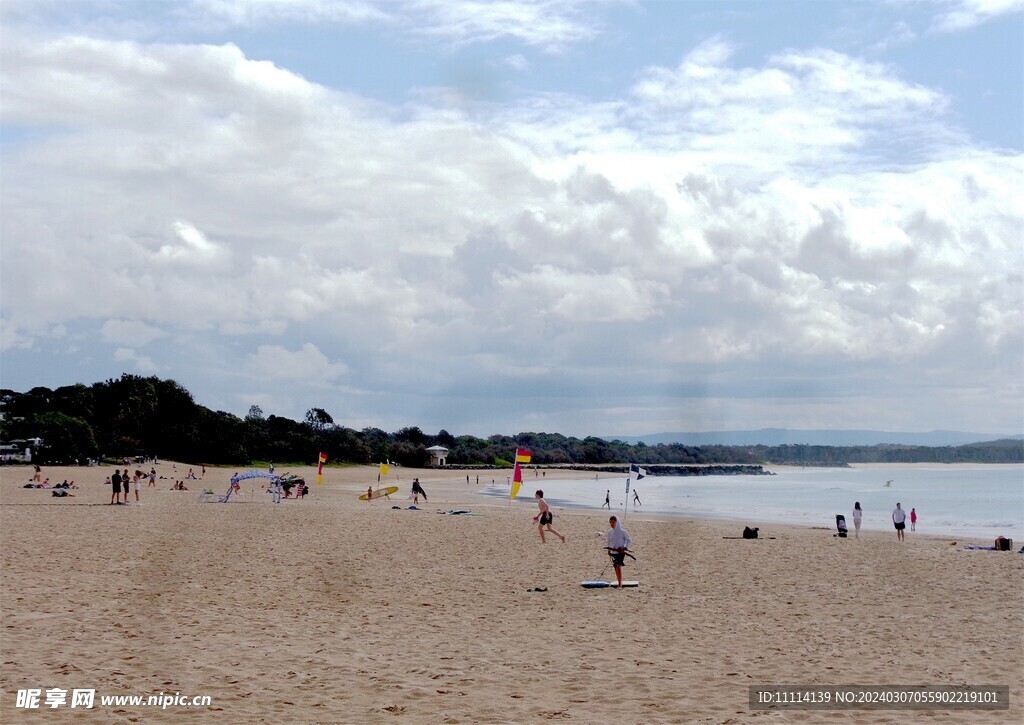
x=330, y=609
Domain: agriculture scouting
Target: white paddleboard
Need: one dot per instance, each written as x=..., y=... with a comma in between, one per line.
x=625, y=583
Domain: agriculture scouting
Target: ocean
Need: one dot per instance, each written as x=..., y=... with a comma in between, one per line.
x=961, y=501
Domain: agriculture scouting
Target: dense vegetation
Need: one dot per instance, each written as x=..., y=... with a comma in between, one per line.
x=134, y=416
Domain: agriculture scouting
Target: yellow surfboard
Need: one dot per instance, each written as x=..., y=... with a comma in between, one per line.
x=379, y=493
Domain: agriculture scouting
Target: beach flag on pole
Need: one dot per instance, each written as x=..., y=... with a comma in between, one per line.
x=382, y=471
x=320, y=469
x=517, y=482
x=640, y=473
x=522, y=456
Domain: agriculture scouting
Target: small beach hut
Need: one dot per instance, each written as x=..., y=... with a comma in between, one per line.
x=438, y=455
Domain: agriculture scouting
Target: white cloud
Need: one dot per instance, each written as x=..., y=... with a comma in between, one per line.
x=550, y=24
x=193, y=248
x=308, y=364
x=247, y=13
x=141, y=363
x=960, y=15
x=737, y=221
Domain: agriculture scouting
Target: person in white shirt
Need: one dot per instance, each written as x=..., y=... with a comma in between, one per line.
x=857, y=515
x=618, y=541
x=899, y=519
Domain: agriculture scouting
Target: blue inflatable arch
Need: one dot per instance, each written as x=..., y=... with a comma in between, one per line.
x=272, y=477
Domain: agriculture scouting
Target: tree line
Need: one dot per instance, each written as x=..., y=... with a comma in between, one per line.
x=146, y=416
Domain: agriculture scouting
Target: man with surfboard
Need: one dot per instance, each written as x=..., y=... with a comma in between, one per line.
x=618, y=541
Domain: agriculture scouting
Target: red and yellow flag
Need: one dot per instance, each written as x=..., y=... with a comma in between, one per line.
x=523, y=455
x=517, y=481
x=320, y=469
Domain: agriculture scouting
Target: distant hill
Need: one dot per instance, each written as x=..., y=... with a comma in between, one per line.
x=785, y=436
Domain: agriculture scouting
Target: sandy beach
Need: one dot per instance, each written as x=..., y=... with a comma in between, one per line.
x=330, y=609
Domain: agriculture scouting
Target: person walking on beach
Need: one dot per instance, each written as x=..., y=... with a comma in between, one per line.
x=857, y=513
x=636, y=499
x=152, y=476
x=545, y=517
x=899, y=520
x=135, y=485
x=913, y=519
x=115, y=487
x=607, y=500
x=618, y=542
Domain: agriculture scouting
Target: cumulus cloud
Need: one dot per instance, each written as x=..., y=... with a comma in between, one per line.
x=140, y=363
x=737, y=221
x=308, y=364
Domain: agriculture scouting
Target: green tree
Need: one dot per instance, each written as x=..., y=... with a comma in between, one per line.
x=65, y=439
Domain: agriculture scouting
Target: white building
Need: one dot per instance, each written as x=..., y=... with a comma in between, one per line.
x=438, y=455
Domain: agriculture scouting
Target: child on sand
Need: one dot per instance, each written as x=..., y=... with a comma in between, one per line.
x=545, y=517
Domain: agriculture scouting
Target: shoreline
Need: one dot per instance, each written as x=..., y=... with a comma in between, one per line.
x=453, y=483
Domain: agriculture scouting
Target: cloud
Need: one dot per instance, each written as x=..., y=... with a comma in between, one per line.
x=517, y=62
x=819, y=102
x=715, y=225
x=249, y=13
x=133, y=333
x=308, y=364
x=550, y=24
x=193, y=249
x=141, y=363
x=961, y=15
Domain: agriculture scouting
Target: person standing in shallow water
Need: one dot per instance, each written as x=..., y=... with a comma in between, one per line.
x=545, y=517
x=913, y=519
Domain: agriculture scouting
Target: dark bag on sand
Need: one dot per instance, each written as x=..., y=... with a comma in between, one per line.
x=1004, y=544
x=749, y=533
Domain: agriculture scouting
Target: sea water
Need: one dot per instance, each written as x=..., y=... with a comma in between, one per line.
x=963, y=501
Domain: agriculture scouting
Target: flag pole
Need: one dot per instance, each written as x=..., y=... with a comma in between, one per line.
x=515, y=465
x=629, y=478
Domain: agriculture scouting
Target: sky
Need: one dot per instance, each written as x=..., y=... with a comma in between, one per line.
x=591, y=218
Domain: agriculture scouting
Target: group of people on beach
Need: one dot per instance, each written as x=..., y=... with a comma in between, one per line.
x=617, y=539
x=899, y=520
x=608, y=499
